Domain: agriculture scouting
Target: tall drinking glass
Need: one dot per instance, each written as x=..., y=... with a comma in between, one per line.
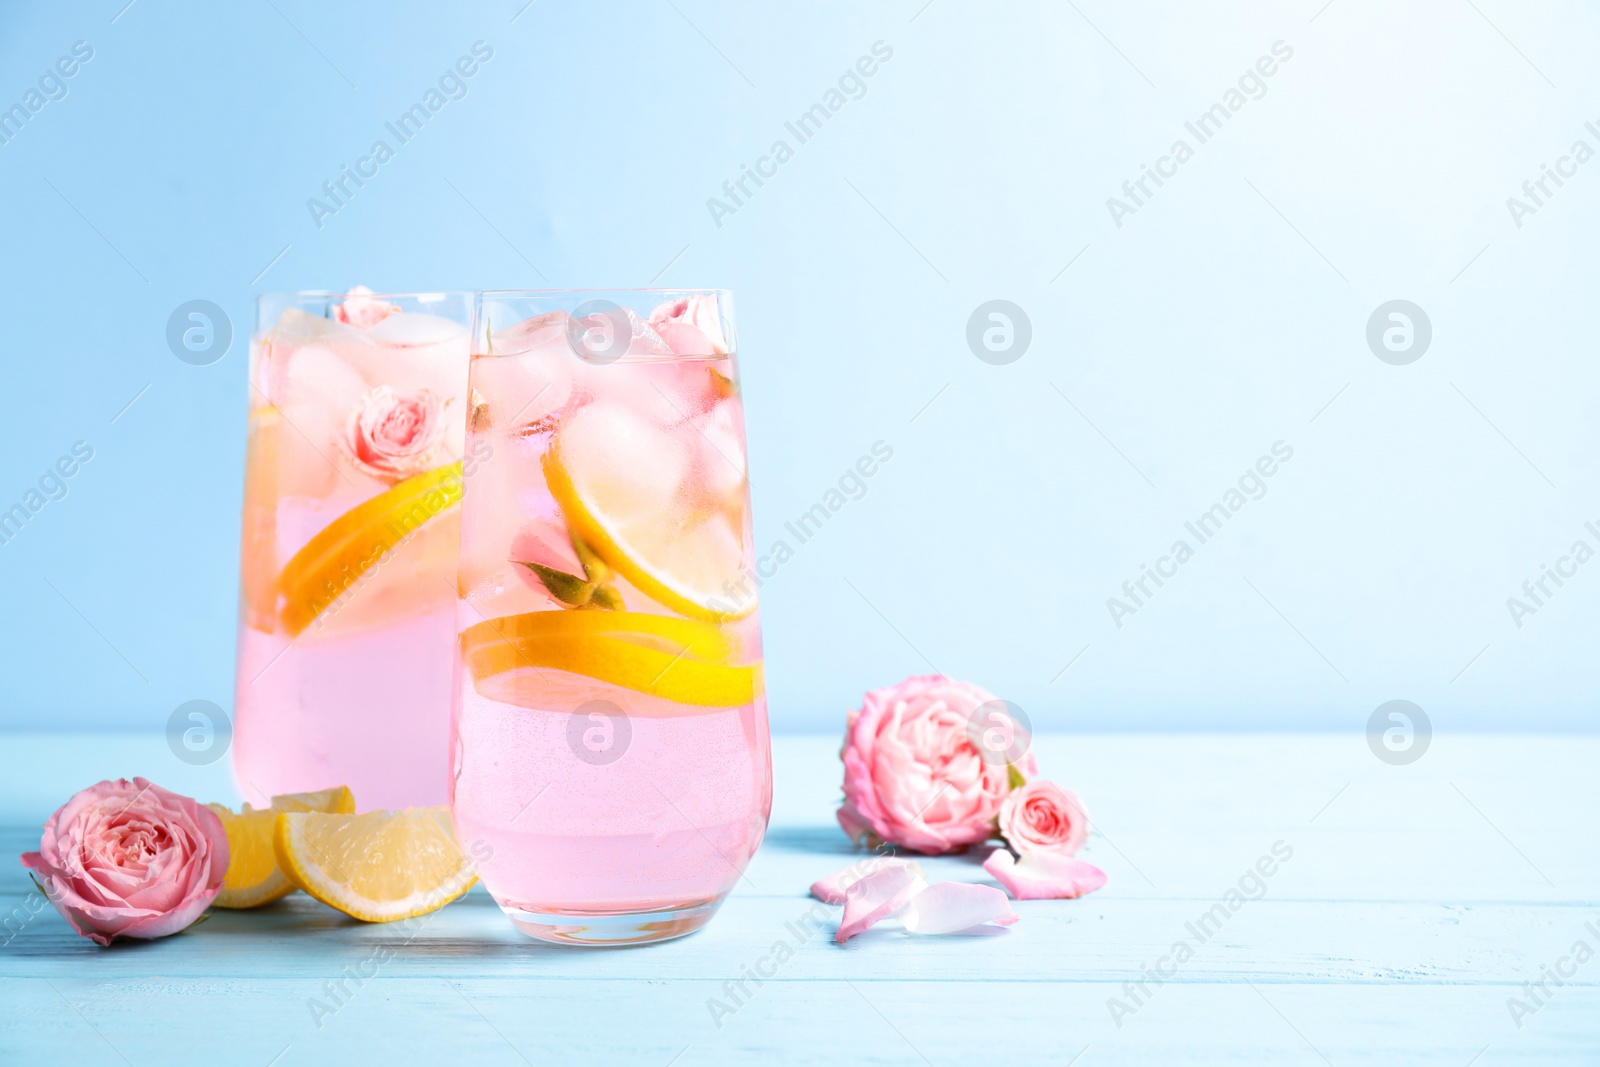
x=610, y=726
x=347, y=604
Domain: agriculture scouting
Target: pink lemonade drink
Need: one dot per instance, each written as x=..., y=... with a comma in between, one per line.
x=351, y=528
x=611, y=757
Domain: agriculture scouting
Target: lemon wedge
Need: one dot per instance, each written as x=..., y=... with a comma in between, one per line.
x=681, y=660
x=627, y=488
x=253, y=877
x=377, y=867
x=342, y=551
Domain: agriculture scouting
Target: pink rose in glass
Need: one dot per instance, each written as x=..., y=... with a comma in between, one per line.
x=1042, y=817
x=130, y=859
x=913, y=775
x=361, y=310
x=395, y=436
x=691, y=326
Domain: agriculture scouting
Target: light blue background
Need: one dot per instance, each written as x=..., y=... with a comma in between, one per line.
x=1222, y=317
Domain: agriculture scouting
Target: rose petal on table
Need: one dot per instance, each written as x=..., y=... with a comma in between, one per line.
x=951, y=907
x=878, y=896
x=1044, y=875
x=834, y=888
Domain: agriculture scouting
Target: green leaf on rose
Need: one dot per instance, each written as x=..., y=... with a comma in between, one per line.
x=573, y=591
x=1014, y=778
x=593, y=566
x=567, y=588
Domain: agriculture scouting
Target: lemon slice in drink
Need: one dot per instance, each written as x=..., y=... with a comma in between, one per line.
x=684, y=661
x=347, y=547
x=377, y=867
x=253, y=877
x=256, y=565
x=627, y=486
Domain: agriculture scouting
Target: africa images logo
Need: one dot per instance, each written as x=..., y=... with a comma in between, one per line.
x=1202, y=128
x=451, y=85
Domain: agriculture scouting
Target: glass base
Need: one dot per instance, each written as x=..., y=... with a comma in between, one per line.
x=625, y=928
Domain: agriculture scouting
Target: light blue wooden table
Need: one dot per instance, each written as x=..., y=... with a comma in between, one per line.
x=1417, y=901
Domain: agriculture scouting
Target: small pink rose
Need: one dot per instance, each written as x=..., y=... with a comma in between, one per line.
x=912, y=774
x=130, y=859
x=395, y=436
x=361, y=310
x=1041, y=816
x=691, y=326
x=1044, y=875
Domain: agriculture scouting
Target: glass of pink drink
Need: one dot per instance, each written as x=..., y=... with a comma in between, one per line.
x=351, y=529
x=610, y=726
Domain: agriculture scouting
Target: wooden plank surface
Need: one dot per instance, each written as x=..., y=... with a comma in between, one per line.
x=1418, y=899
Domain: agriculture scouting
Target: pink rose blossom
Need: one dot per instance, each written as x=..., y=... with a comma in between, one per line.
x=912, y=774
x=361, y=310
x=691, y=326
x=1044, y=875
x=1041, y=816
x=395, y=436
x=130, y=859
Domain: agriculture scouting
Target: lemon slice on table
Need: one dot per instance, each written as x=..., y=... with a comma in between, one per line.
x=254, y=877
x=681, y=660
x=348, y=546
x=625, y=486
x=377, y=867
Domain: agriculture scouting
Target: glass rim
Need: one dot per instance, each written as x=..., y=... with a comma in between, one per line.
x=528, y=304
x=480, y=293
x=441, y=294
x=328, y=294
